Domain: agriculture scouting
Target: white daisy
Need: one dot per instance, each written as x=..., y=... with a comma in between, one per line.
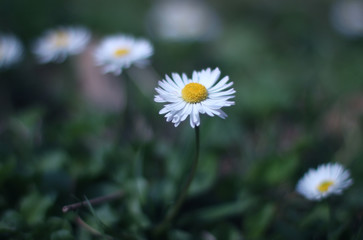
x=187, y=20
x=347, y=17
x=327, y=179
x=188, y=97
x=120, y=51
x=56, y=44
x=10, y=50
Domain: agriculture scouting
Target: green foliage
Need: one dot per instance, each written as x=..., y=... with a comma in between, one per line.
x=257, y=223
x=34, y=206
x=298, y=104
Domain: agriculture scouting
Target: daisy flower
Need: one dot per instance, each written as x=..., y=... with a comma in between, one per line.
x=347, y=17
x=56, y=44
x=204, y=94
x=327, y=179
x=186, y=20
x=120, y=51
x=10, y=50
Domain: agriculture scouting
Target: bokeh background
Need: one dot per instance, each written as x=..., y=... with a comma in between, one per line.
x=70, y=133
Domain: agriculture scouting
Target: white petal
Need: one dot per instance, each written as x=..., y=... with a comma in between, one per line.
x=219, y=95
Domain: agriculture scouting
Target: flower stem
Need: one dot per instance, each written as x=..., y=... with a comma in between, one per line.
x=174, y=210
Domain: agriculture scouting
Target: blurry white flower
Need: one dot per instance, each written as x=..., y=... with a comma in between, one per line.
x=347, y=17
x=120, y=51
x=188, y=97
x=56, y=44
x=187, y=20
x=10, y=50
x=327, y=179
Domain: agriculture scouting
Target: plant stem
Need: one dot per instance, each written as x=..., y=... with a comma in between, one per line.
x=94, y=201
x=83, y=224
x=174, y=210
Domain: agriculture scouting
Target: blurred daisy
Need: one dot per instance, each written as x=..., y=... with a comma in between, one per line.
x=204, y=94
x=120, y=51
x=347, y=17
x=186, y=20
x=10, y=50
x=55, y=45
x=327, y=179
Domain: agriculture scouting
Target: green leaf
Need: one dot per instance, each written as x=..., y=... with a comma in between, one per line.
x=226, y=231
x=318, y=217
x=273, y=170
x=11, y=221
x=34, y=206
x=26, y=124
x=57, y=223
x=52, y=161
x=61, y=235
x=179, y=235
x=206, y=175
x=257, y=223
x=215, y=213
x=6, y=169
x=106, y=215
x=139, y=219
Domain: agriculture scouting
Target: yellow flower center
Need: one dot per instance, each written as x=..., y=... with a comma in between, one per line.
x=60, y=39
x=194, y=93
x=324, y=186
x=121, y=52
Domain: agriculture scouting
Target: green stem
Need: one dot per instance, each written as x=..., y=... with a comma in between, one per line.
x=174, y=210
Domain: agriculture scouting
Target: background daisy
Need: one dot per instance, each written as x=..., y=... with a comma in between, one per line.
x=347, y=17
x=56, y=44
x=186, y=20
x=189, y=97
x=327, y=179
x=117, y=52
x=10, y=50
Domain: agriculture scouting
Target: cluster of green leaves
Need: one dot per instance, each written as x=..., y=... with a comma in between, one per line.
x=298, y=104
